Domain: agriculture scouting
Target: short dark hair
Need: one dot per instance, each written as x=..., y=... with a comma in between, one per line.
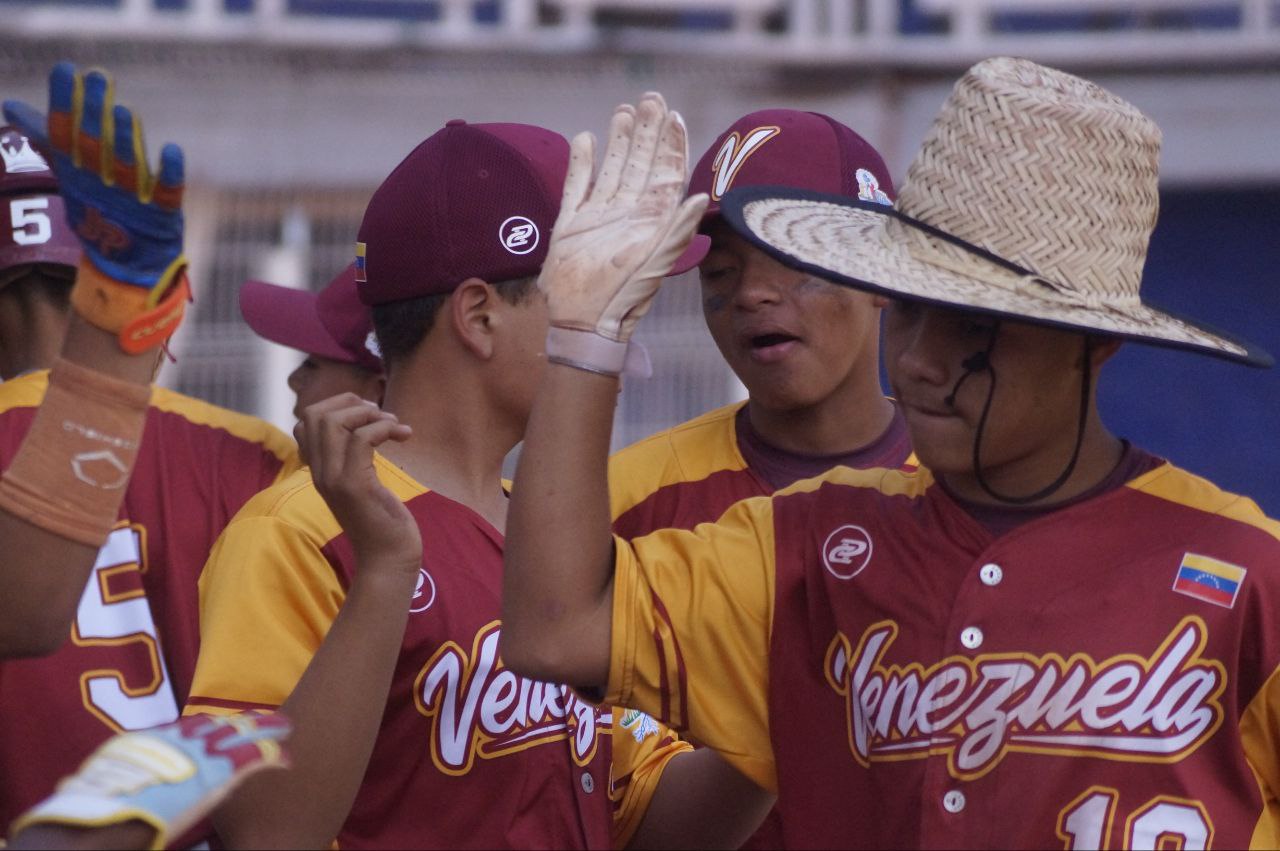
x=41, y=281
x=401, y=326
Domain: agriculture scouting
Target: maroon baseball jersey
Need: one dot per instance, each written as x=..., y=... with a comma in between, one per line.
x=468, y=754
x=692, y=473
x=129, y=659
x=1101, y=676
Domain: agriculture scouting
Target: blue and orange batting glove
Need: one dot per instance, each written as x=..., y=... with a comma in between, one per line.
x=169, y=777
x=132, y=279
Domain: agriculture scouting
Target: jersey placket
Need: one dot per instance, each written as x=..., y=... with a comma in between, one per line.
x=956, y=812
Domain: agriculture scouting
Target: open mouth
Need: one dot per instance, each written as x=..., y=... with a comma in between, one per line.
x=764, y=341
x=772, y=347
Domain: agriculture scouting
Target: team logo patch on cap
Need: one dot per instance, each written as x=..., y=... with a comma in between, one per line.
x=519, y=235
x=869, y=188
x=1209, y=579
x=18, y=156
x=734, y=152
x=847, y=551
x=361, y=275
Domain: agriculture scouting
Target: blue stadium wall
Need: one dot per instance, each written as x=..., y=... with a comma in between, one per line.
x=1215, y=256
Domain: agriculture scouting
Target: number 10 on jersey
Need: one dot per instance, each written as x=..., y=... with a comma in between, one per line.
x=1162, y=822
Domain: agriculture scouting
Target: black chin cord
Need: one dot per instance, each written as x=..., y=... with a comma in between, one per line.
x=981, y=362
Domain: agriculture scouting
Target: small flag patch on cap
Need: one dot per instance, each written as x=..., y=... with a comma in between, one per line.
x=361, y=277
x=1209, y=579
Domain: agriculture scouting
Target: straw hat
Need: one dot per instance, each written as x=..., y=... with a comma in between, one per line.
x=1033, y=196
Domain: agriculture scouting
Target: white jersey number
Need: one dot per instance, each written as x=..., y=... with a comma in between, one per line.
x=1085, y=824
x=113, y=619
x=27, y=213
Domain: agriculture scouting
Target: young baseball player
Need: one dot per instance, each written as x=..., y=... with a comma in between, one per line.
x=409, y=731
x=332, y=328
x=1045, y=635
x=127, y=659
x=808, y=352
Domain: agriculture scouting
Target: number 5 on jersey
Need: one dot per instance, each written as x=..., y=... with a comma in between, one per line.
x=114, y=612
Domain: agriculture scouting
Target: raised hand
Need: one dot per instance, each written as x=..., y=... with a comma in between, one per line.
x=170, y=777
x=620, y=229
x=338, y=437
x=129, y=221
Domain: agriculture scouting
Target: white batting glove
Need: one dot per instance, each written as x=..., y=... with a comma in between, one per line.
x=618, y=233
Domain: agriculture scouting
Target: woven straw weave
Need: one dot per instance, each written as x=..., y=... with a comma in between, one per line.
x=995, y=175
x=1040, y=168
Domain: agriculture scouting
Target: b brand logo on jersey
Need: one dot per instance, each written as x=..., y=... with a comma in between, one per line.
x=519, y=235
x=975, y=710
x=847, y=551
x=424, y=594
x=733, y=154
x=480, y=709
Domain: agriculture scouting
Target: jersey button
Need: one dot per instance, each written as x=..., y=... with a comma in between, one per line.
x=991, y=574
x=953, y=801
x=588, y=783
x=971, y=637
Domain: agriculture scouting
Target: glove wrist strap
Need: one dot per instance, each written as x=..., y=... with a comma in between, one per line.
x=141, y=318
x=586, y=350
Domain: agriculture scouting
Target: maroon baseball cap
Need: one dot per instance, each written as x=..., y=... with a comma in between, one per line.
x=333, y=323
x=472, y=201
x=788, y=147
x=33, y=220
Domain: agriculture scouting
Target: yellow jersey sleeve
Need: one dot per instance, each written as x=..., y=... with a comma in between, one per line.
x=1260, y=737
x=689, y=606
x=642, y=747
x=267, y=599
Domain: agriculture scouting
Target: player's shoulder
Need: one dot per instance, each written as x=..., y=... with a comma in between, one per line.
x=687, y=452
x=242, y=427
x=835, y=489
x=1176, y=486
x=872, y=482
x=294, y=502
x=23, y=391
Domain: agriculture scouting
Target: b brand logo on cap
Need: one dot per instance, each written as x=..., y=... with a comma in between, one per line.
x=846, y=551
x=519, y=235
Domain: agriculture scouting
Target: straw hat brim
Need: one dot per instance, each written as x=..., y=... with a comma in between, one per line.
x=844, y=240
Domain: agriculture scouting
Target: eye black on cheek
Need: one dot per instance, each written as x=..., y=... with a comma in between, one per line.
x=715, y=302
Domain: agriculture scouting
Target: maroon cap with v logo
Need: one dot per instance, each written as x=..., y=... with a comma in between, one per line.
x=788, y=147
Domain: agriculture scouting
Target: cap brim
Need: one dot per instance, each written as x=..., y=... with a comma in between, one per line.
x=287, y=316
x=844, y=240
x=692, y=255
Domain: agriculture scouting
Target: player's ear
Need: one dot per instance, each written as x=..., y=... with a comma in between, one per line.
x=471, y=313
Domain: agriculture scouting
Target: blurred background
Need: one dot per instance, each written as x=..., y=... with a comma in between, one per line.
x=292, y=111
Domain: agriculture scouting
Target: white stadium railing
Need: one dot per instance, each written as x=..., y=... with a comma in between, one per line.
x=881, y=33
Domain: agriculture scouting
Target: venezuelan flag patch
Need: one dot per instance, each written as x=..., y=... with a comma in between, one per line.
x=361, y=276
x=1209, y=579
